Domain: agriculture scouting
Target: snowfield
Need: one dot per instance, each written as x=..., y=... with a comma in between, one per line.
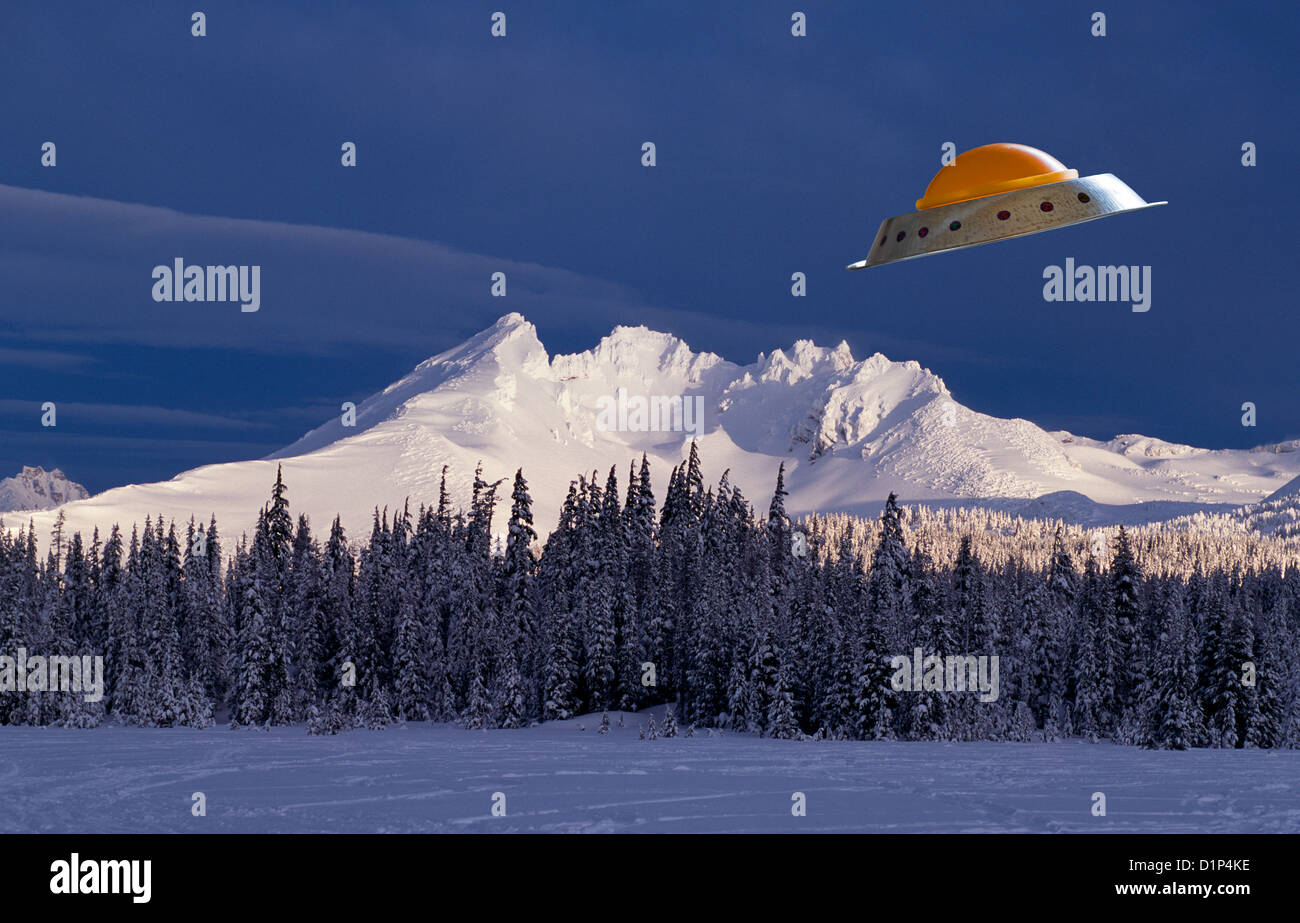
x=558, y=779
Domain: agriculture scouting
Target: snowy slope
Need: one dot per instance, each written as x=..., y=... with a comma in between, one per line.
x=1289, y=489
x=1277, y=514
x=34, y=488
x=849, y=431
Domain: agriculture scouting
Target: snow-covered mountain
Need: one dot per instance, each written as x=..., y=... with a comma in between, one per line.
x=34, y=488
x=849, y=431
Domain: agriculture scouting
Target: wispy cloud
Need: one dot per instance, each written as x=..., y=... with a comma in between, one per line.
x=78, y=270
x=128, y=414
x=44, y=359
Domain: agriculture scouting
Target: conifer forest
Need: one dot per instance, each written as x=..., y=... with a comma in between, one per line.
x=738, y=619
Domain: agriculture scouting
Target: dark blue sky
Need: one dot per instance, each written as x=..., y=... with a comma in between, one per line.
x=775, y=154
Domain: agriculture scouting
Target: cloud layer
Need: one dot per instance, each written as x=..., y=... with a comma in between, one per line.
x=77, y=270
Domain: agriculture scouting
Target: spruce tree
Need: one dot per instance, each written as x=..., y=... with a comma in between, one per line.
x=1124, y=580
x=1172, y=717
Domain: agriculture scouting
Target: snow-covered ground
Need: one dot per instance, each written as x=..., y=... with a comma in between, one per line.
x=558, y=779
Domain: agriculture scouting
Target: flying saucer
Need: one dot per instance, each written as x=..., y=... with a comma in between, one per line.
x=997, y=192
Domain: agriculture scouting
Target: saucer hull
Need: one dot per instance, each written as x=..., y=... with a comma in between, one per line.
x=1001, y=217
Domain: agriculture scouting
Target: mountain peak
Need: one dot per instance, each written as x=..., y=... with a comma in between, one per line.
x=638, y=355
x=34, y=488
x=512, y=319
x=849, y=431
x=512, y=339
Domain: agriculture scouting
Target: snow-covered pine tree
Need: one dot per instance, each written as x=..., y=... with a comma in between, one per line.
x=934, y=632
x=213, y=632
x=518, y=569
x=306, y=617
x=1091, y=694
x=252, y=704
x=509, y=704
x=1125, y=578
x=781, y=722
x=1276, y=675
x=412, y=670
x=1096, y=699
x=670, y=723
x=165, y=679
x=639, y=522
x=125, y=661
x=561, y=668
x=1226, y=646
x=279, y=525
x=779, y=534
x=1040, y=656
x=594, y=598
x=336, y=618
x=616, y=578
x=887, y=584
x=478, y=706
x=1172, y=717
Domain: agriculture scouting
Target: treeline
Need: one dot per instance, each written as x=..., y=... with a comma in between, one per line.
x=698, y=602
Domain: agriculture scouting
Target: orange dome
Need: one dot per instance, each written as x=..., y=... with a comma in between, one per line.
x=991, y=169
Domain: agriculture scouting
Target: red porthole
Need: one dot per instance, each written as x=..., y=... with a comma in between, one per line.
x=1004, y=215
x=923, y=231
x=1046, y=206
